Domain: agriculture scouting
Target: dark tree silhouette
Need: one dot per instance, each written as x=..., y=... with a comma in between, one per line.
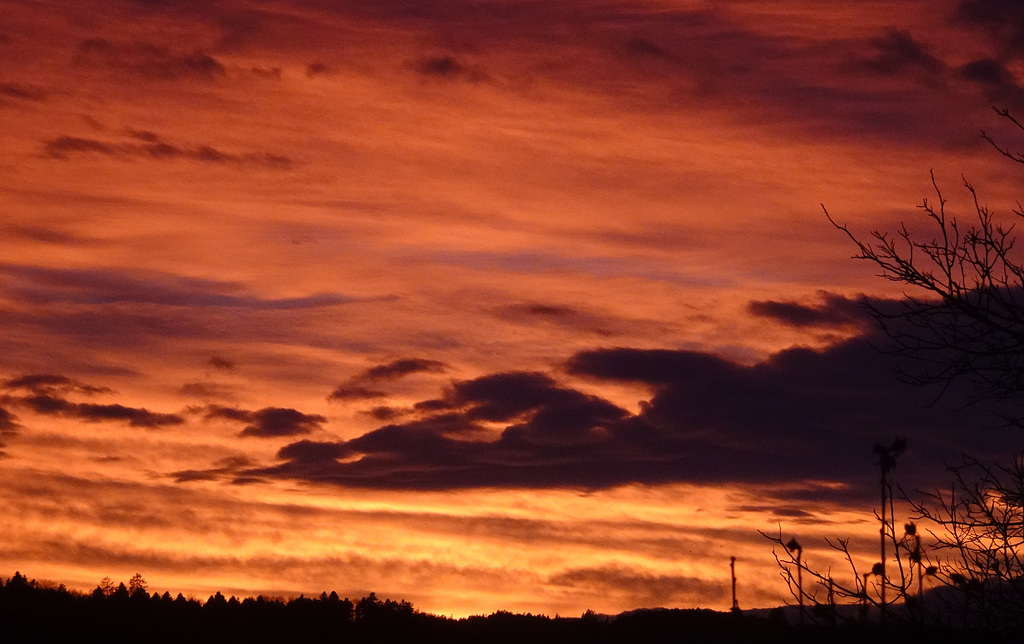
x=963, y=315
x=137, y=584
x=106, y=587
x=33, y=612
x=962, y=318
x=979, y=525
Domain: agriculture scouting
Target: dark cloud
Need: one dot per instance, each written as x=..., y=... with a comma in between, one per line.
x=385, y=413
x=563, y=316
x=62, y=146
x=8, y=422
x=548, y=417
x=51, y=383
x=225, y=468
x=317, y=69
x=226, y=413
x=147, y=145
x=799, y=416
x=545, y=311
x=1002, y=21
x=247, y=480
x=831, y=311
x=448, y=67
x=652, y=366
x=313, y=451
x=988, y=71
x=137, y=417
x=275, y=421
x=403, y=367
x=148, y=60
x=440, y=66
x=41, y=285
x=53, y=405
x=221, y=364
x=997, y=81
x=46, y=235
x=355, y=392
x=361, y=386
x=21, y=92
x=646, y=49
x=207, y=391
x=502, y=397
x=210, y=154
x=269, y=422
x=897, y=52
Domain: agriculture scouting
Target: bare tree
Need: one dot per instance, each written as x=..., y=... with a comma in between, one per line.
x=963, y=316
x=896, y=579
x=979, y=524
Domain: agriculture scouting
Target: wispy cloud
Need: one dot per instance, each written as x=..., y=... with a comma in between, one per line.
x=8, y=422
x=643, y=589
x=21, y=92
x=366, y=385
x=46, y=384
x=147, y=145
x=47, y=395
x=92, y=412
x=148, y=60
x=43, y=285
x=897, y=52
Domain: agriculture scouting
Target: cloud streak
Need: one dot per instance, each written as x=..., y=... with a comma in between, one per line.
x=47, y=395
x=148, y=60
x=41, y=285
x=150, y=146
x=92, y=412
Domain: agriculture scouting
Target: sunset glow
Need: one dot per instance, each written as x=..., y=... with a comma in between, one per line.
x=483, y=305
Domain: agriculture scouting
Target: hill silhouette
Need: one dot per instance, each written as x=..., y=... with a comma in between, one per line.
x=33, y=612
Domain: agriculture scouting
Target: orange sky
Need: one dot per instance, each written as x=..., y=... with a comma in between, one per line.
x=484, y=305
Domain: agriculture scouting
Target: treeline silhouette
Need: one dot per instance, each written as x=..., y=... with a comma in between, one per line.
x=34, y=612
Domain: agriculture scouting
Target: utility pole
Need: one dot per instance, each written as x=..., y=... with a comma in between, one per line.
x=886, y=461
x=831, y=602
x=794, y=546
x=882, y=531
x=864, y=599
x=732, y=570
x=915, y=562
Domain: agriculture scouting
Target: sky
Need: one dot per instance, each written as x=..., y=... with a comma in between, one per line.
x=481, y=304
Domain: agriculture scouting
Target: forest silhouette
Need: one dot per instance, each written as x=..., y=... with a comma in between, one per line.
x=42, y=612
